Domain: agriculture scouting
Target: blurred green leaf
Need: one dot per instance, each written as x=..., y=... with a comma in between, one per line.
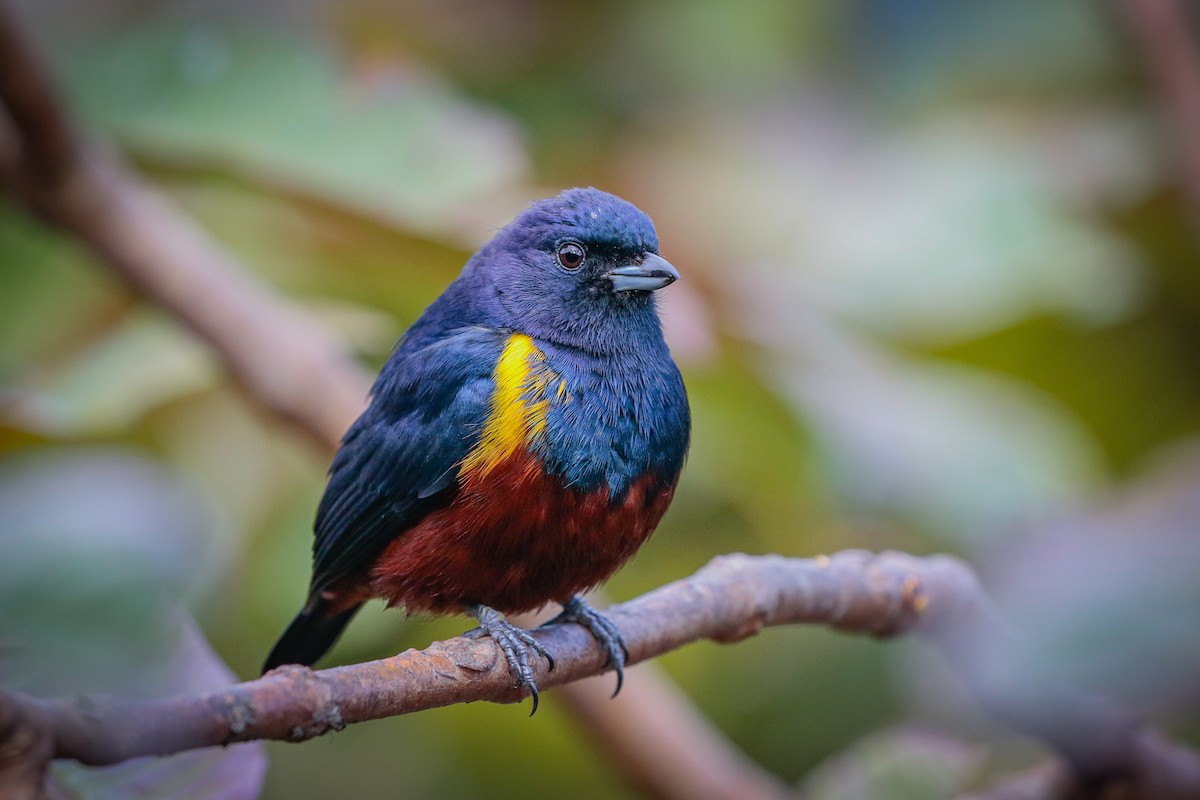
x=139, y=364
x=936, y=231
x=319, y=252
x=966, y=453
x=50, y=294
x=915, y=52
x=898, y=764
x=389, y=139
x=99, y=546
x=1134, y=384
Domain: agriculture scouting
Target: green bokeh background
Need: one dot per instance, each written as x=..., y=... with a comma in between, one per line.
x=940, y=295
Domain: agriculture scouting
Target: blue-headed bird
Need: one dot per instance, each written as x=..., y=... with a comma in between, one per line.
x=521, y=443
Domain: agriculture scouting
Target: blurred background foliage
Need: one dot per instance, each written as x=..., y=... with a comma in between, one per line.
x=939, y=295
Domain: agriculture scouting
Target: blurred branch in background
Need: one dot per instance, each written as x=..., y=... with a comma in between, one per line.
x=1160, y=769
x=664, y=745
x=287, y=364
x=44, y=138
x=26, y=748
x=1167, y=34
x=734, y=597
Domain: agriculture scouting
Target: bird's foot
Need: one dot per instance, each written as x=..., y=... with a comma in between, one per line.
x=516, y=644
x=603, y=629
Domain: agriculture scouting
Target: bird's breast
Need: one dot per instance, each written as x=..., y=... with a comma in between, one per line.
x=592, y=421
x=517, y=411
x=567, y=477
x=517, y=540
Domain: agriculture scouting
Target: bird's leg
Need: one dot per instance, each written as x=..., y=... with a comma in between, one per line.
x=603, y=629
x=514, y=642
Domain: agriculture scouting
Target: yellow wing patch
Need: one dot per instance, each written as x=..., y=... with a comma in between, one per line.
x=517, y=417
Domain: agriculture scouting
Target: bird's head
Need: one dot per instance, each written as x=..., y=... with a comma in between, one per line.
x=578, y=269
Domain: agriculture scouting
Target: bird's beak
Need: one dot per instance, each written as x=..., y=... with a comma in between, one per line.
x=653, y=273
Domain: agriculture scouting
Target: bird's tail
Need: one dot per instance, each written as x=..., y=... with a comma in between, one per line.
x=311, y=634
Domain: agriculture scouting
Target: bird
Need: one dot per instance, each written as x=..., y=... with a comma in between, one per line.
x=522, y=441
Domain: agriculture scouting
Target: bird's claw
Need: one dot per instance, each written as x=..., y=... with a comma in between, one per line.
x=604, y=630
x=516, y=643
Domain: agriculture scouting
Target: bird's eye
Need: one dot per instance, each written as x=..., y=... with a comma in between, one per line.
x=571, y=255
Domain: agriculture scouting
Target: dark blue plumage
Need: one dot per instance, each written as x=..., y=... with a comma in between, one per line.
x=522, y=441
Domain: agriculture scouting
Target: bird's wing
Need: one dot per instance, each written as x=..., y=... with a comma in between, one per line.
x=397, y=461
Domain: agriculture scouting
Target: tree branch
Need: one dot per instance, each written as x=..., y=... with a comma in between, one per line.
x=1164, y=771
x=47, y=141
x=663, y=744
x=732, y=598
x=26, y=746
x=1166, y=35
x=286, y=363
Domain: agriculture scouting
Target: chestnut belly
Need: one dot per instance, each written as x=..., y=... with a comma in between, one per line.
x=515, y=539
